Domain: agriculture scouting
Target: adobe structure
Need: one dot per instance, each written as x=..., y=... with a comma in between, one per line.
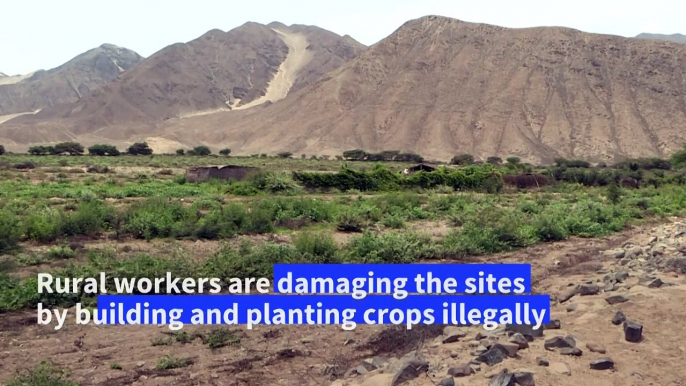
x=228, y=172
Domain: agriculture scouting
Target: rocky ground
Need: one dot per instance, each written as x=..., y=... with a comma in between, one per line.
x=617, y=310
x=617, y=319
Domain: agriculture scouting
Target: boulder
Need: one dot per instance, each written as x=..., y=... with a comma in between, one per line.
x=409, y=370
x=520, y=340
x=524, y=377
x=453, y=334
x=616, y=299
x=494, y=355
x=542, y=362
x=463, y=370
x=503, y=378
x=571, y=351
x=619, y=318
x=559, y=342
x=633, y=331
x=588, y=289
x=560, y=368
x=596, y=348
x=602, y=364
x=447, y=382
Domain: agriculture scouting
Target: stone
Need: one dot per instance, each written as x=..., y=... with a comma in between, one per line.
x=503, y=378
x=479, y=350
x=454, y=354
x=571, y=351
x=602, y=364
x=447, y=382
x=488, y=343
x=609, y=287
x=596, y=348
x=511, y=348
x=567, y=294
x=621, y=276
x=376, y=362
x=525, y=329
x=494, y=355
x=554, y=324
x=559, y=342
x=463, y=370
x=616, y=299
x=615, y=253
x=409, y=370
x=520, y=340
x=588, y=289
x=655, y=283
x=633, y=331
x=542, y=362
x=524, y=377
x=453, y=334
x=560, y=368
x=140, y=364
x=619, y=318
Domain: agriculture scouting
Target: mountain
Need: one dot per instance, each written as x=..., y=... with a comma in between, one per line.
x=439, y=87
x=675, y=38
x=248, y=66
x=67, y=83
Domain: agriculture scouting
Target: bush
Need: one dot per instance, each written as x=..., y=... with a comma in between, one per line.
x=462, y=159
x=494, y=160
x=41, y=150
x=225, y=152
x=513, y=160
x=10, y=233
x=139, y=148
x=102, y=150
x=2, y=149
x=71, y=148
x=180, y=152
x=201, y=150
x=388, y=248
x=316, y=248
x=285, y=154
x=44, y=374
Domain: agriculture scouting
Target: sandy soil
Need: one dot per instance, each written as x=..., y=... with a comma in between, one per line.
x=297, y=58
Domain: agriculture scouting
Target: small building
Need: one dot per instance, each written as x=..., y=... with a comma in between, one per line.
x=418, y=168
x=228, y=172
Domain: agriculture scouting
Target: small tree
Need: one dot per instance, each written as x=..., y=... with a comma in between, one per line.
x=139, y=148
x=71, y=148
x=462, y=159
x=355, y=155
x=285, y=154
x=679, y=158
x=225, y=151
x=494, y=160
x=40, y=150
x=2, y=150
x=614, y=193
x=102, y=150
x=180, y=152
x=513, y=160
x=201, y=150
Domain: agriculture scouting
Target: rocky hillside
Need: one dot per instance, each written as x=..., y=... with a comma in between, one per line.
x=439, y=86
x=67, y=83
x=219, y=71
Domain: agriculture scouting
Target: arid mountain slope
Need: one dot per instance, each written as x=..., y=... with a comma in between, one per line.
x=439, y=86
x=675, y=38
x=67, y=83
x=219, y=71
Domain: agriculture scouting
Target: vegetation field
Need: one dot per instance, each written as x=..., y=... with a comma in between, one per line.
x=138, y=216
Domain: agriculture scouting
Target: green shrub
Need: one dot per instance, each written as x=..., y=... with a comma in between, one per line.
x=10, y=232
x=44, y=374
x=316, y=247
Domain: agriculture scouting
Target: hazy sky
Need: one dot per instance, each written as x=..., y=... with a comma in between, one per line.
x=44, y=34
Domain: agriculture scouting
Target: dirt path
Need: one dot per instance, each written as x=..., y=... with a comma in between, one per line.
x=297, y=58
